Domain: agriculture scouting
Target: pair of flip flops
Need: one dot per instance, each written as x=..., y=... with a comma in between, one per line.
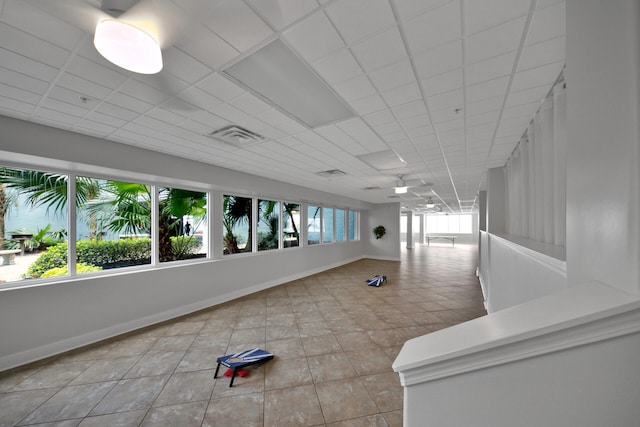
x=377, y=280
x=240, y=372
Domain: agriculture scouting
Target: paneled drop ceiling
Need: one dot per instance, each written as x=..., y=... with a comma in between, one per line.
x=440, y=91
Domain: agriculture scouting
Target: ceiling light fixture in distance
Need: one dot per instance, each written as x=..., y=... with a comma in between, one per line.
x=132, y=46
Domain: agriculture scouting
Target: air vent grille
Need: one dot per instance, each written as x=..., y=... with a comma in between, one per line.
x=236, y=135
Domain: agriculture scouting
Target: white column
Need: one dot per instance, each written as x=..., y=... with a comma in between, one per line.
x=409, y=230
x=603, y=155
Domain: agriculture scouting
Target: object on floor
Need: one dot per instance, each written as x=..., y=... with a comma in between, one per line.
x=239, y=372
x=235, y=362
x=377, y=280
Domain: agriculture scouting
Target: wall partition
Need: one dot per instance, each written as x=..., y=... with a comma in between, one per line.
x=536, y=174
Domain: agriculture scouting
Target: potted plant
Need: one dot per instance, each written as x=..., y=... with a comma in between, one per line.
x=379, y=231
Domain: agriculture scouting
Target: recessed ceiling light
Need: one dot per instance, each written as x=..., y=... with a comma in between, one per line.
x=276, y=74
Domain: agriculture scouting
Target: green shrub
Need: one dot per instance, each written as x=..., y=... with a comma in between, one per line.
x=90, y=252
x=183, y=246
x=63, y=271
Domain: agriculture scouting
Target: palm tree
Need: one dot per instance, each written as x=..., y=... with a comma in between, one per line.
x=237, y=211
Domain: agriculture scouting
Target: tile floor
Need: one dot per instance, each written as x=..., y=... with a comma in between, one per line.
x=334, y=338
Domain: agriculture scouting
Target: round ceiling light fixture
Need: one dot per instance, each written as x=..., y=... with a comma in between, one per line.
x=133, y=47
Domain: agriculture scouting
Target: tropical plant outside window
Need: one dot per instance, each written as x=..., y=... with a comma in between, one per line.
x=291, y=222
x=340, y=223
x=33, y=217
x=353, y=225
x=237, y=220
x=314, y=215
x=268, y=225
x=183, y=230
x=327, y=225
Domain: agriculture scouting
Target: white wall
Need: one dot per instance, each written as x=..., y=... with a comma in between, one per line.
x=603, y=160
x=388, y=247
x=42, y=320
x=515, y=270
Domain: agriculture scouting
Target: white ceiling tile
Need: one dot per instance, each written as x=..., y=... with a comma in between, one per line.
x=228, y=112
x=220, y=87
x=380, y=50
x=338, y=67
x=244, y=31
x=356, y=88
x=25, y=44
x=314, y=37
x=392, y=76
x=446, y=101
x=547, y=23
x=486, y=89
x=525, y=111
x=535, y=94
x=110, y=109
x=281, y=13
x=19, y=94
x=22, y=64
x=415, y=122
x=29, y=18
x=379, y=118
x=93, y=71
x=553, y=50
x=539, y=76
x=402, y=95
x=368, y=105
x=490, y=69
x=95, y=128
x=482, y=14
x=484, y=106
x=83, y=86
x=250, y=104
x=494, y=41
x=143, y=92
x=439, y=60
x=408, y=9
x=200, y=42
x=443, y=82
x=438, y=26
x=179, y=63
x=356, y=19
x=199, y=98
x=55, y=116
x=410, y=109
x=129, y=102
x=30, y=84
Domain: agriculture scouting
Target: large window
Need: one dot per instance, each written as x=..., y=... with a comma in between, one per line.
x=353, y=226
x=113, y=224
x=33, y=223
x=449, y=224
x=291, y=221
x=340, y=223
x=237, y=214
x=327, y=225
x=182, y=230
x=268, y=224
x=314, y=221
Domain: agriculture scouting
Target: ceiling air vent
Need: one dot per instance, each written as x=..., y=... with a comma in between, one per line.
x=331, y=173
x=372, y=188
x=236, y=135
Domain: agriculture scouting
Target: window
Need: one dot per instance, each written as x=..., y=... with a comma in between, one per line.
x=327, y=225
x=33, y=224
x=237, y=214
x=353, y=226
x=449, y=224
x=340, y=218
x=182, y=229
x=313, y=225
x=291, y=222
x=113, y=224
x=268, y=224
